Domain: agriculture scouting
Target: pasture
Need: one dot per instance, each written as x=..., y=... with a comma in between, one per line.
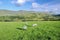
x=45, y=30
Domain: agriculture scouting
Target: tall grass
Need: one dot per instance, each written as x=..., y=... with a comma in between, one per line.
x=45, y=30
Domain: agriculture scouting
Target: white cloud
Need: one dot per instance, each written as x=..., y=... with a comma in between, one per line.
x=46, y=7
x=39, y=7
x=20, y=2
x=35, y=5
x=54, y=7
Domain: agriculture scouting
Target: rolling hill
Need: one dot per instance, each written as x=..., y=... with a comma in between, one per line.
x=27, y=15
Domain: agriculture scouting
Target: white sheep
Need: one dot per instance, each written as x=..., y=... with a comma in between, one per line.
x=34, y=25
x=24, y=27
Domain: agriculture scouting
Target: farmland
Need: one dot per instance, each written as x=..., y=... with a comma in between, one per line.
x=45, y=30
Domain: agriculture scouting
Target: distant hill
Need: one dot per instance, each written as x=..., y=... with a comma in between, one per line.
x=22, y=12
x=7, y=12
x=8, y=15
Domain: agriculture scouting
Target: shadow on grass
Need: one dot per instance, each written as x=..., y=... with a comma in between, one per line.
x=20, y=29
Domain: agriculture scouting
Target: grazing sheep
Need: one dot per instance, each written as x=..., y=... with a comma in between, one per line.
x=34, y=25
x=24, y=27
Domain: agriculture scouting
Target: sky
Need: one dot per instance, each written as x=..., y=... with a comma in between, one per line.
x=35, y=5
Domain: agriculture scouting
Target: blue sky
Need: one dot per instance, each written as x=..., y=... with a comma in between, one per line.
x=36, y=5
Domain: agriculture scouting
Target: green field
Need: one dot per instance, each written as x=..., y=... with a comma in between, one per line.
x=45, y=30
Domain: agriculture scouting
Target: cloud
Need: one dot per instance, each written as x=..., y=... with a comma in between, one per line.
x=49, y=6
x=54, y=7
x=39, y=7
x=46, y=7
x=35, y=5
x=20, y=2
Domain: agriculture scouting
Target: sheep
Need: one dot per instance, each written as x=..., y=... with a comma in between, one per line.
x=24, y=27
x=34, y=25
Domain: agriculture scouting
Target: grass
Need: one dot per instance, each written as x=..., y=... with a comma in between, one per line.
x=45, y=30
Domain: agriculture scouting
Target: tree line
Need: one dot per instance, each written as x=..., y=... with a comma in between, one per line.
x=30, y=17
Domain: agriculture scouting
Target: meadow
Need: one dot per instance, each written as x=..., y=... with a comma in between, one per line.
x=45, y=30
